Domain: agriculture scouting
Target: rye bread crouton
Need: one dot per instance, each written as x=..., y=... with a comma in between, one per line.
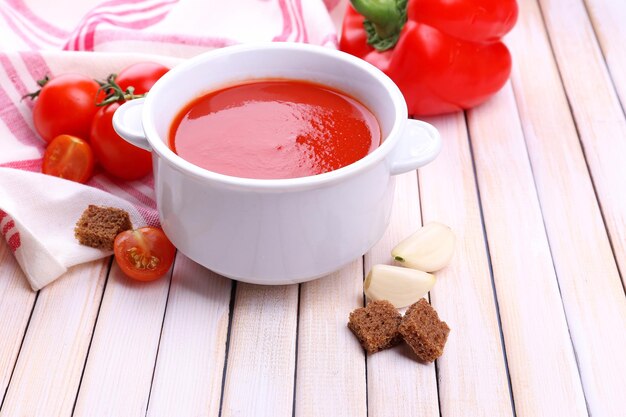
x=423, y=331
x=98, y=226
x=376, y=326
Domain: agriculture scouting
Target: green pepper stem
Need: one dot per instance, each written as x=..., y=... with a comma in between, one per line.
x=383, y=14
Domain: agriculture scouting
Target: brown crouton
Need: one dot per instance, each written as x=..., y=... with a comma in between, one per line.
x=98, y=226
x=423, y=331
x=376, y=326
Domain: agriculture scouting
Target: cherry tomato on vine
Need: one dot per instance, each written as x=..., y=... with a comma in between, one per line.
x=141, y=76
x=68, y=157
x=118, y=157
x=144, y=254
x=65, y=105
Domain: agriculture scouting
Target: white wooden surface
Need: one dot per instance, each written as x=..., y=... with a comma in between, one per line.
x=534, y=185
x=533, y=322
x=467, y=278
x=330, y=382
x=261, y=366
x=123, y=349
x=195, y=326
x=607, y=18
x=16, y=305
x=589, y=280
x=598, y=113
x=66, y=327
x=389, y=371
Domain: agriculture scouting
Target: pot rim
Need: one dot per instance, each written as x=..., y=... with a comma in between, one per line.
x=169, y=79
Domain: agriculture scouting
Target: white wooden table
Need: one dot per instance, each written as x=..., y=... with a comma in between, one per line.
x=534, y=185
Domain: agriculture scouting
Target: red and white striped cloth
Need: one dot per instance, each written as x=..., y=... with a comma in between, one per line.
x=38, y=37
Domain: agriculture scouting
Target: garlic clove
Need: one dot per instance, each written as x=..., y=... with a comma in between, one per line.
x=429, y=249
x=400, y=286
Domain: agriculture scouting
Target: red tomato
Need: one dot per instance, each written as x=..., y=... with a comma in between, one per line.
x=141, y=76
x=65, y=105
x=68, y=157
x=118, y=157
x=144, y=254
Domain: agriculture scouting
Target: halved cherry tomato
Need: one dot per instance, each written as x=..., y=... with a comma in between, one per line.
x=144, y=254
x=66, y=105
x=118, y=157
x=141, y=76
x=68, y=157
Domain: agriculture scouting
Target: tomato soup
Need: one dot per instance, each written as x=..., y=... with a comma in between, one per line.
x=274, y=129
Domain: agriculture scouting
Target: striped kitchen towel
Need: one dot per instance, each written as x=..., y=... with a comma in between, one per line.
x=181, y=28
x=39, y=38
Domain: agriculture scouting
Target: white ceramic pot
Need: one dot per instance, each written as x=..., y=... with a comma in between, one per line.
x=276, y=231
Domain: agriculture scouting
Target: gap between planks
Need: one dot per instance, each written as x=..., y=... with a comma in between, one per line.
x=589, y=281
x=49, y=367
x=16, y=310
x=596, y=108
x=189, y=367
x=464, y=294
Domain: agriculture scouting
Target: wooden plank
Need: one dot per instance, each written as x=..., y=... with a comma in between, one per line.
x=608, y=19
x=261, y=357
x=119, y=368
x=188, y=373
x=397, y=384
x=16, y=304
x=589, y=280
x=463, y=294
x=50, y=364
x=542, y=366
x=330, y=379
x=597, y=111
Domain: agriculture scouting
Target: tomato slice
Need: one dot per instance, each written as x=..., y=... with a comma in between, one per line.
x=68, y=157
x=144, y=254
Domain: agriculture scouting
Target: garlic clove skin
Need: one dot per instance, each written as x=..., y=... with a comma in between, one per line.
x=429, y=249
x=400, y=286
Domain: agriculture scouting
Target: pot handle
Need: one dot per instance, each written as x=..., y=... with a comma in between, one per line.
x=127, y=123
x=420, y=143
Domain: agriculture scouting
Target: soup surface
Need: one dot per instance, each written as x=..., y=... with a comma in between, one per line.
x=274, y=129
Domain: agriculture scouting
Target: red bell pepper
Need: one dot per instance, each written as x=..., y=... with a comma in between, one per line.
x=445, y=55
